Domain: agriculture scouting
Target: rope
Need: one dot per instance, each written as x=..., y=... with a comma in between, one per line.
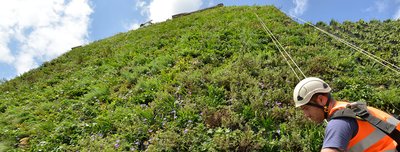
x=265, y=27
x=368, y=54
x=279, y=47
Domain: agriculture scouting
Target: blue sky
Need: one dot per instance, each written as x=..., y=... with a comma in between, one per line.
x=35, y=31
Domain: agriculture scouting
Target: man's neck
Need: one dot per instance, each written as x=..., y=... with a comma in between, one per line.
x=331, y=105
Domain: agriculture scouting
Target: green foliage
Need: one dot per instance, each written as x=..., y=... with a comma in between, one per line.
x=210, y=81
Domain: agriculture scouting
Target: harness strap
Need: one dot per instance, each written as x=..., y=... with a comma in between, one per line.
x=359, y=110
x=343, y=113
x=396, y=136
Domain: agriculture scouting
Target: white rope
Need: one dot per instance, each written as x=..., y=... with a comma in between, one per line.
x=279, y=46
x=279, y=49
x=271, y=34
x=368, y=54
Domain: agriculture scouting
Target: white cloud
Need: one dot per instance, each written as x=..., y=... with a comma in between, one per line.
x=5, y=52
x=397, y=15
x=380, y=6
x=143, y=7
x=25, y=62
x=211, y=3
x=161, y=10
x=300, y=7
x=134, y=26
x=43, y=29
x=140, y=4
x=131, y=26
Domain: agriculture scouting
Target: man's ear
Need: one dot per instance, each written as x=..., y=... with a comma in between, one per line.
x=322, y=99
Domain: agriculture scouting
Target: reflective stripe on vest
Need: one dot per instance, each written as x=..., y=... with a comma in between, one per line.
x=393, y=121
x=369, y=138
x=393, y=150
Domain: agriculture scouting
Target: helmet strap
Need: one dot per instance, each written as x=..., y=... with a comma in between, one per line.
x=326, y=107
x=315, y=105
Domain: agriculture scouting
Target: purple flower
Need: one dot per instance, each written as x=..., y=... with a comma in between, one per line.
x=116, y=145
x=185, y=131
x=279, y=104
x=150, y=130
x=278, y=131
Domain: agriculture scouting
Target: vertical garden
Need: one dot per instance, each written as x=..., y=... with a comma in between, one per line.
x=209, y=81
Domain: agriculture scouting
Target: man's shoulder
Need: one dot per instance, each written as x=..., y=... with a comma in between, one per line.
x=342, y=121
x=339, y=132
x=343, y=125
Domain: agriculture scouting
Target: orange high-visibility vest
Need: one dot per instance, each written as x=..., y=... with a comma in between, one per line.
x=369, y=138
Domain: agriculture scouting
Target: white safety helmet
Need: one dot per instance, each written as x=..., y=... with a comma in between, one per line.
x=306, y=88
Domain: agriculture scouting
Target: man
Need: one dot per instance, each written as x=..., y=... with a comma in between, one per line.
x=313, y=96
